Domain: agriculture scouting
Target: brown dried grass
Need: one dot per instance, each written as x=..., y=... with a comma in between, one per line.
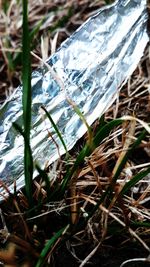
x=96, y=174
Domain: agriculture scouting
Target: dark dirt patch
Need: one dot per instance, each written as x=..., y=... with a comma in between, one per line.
x=106, y=256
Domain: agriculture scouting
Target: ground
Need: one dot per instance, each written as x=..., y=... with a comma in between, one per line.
x=119, y=229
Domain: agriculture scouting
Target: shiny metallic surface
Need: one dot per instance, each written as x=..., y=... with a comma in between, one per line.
x=89, y=69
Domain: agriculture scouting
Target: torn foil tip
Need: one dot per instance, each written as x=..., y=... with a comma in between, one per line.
x=89, y=67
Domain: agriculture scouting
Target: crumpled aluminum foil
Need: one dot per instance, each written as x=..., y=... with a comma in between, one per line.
x=88, y=68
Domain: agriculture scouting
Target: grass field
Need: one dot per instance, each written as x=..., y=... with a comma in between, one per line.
x=94, y=211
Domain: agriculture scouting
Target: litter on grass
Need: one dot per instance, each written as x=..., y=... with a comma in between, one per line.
x=89, y=69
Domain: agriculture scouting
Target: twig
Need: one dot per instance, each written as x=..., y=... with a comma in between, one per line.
x=134, y=260
x=123, y=224
x=90, y=255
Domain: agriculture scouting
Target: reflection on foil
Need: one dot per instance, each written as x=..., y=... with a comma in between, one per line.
x=91, y=65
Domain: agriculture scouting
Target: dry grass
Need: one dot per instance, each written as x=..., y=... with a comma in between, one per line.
x=23, y=236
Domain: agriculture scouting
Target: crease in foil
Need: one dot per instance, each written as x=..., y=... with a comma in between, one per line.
x=91, y=65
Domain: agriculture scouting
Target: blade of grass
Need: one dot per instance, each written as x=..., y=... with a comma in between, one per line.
x=56, y=129
x=100, y=136
x=139, y=176
x=62, y=21
x=104, y=131
x=26, y=101
x=9, y=57
x=48, y=246
x=107, y=2
x=141, y=224
x=126, y=157
x=35, y=30
x=81, y=116
x=5, y=6
x=117, y=173
x=18, y=129
x=32, y=35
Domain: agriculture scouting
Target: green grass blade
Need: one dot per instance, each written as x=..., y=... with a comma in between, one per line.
x=26, y=72
x=107, y=2
x=126, y=157
x=104, y=131
x=27, y=157
x=107, y=193
x=79, y=161
x=18, y=129
x=81, y=116
x=87, y=149
x=55, y=128
x=26, y=101
x=18, y=55
x=139, y=176
x=140, y=224
x=48, y=246
x=35, y=30
x=5, y=5
x=62, y=21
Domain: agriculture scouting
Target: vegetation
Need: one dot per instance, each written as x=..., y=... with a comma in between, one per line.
x=98, y=194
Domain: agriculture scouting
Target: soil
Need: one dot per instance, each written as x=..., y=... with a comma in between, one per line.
x=114, y=250
x=106, y=256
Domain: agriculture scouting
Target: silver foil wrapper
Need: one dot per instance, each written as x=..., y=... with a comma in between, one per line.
x=89, y=68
